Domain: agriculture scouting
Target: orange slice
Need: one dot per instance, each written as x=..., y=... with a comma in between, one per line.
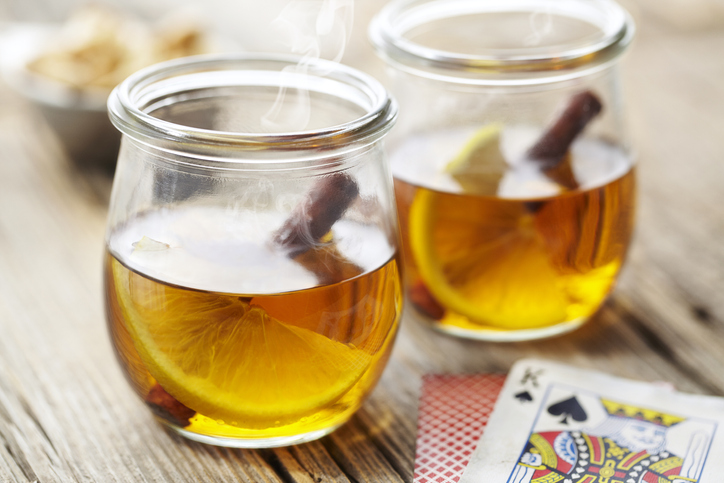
x=481, y=256
x=483, y=259
x=230, y=360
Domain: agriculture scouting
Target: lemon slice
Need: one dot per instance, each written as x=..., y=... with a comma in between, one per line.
x=230, y=360
x=480, y=166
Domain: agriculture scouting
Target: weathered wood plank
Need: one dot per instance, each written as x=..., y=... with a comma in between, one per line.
x=308, y=462
x=354, y=452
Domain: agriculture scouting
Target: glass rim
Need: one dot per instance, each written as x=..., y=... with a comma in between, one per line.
x=500, y=66
x=126, y=107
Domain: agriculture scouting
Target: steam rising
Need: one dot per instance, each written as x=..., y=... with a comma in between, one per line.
x=541, y=25
x=313, y=29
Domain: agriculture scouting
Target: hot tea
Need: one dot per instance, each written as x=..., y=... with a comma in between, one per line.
x=291, y=347
x=497, y=241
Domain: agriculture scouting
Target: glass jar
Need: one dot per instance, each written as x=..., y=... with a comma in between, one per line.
x=513, y=171
x=251, y=276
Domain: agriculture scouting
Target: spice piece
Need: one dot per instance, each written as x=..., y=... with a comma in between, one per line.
x=326, y=202
x=551, y=150
x=421, y=297
x=166, y=406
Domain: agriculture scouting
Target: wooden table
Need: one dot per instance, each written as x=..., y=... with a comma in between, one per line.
x=67, y=414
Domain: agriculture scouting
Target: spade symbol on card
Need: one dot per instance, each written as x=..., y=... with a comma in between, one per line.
x=524, y=397
x=569, y=408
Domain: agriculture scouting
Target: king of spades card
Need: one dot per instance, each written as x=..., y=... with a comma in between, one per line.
x=627, y=444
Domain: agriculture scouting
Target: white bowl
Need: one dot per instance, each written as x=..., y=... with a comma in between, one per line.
x=78, y=116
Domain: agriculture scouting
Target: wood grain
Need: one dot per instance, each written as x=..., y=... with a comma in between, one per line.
x=67, y=414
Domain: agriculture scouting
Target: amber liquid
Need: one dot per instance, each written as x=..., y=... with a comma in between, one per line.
x=485, y=266
x=253, y=366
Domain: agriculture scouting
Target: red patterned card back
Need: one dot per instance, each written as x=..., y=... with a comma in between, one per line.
x=453, y=412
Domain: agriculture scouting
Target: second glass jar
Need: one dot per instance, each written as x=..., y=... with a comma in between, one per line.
x=513, y=172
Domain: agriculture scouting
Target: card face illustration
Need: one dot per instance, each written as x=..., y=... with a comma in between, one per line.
x=581, y=437
x=587, y=427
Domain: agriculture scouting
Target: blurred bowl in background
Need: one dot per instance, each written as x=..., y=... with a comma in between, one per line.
x=78, y=116
x=68, y=71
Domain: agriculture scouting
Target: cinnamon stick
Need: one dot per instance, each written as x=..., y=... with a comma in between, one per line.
x=167, y=407
x=328, y=264
x=551, y=151
x=313, y=218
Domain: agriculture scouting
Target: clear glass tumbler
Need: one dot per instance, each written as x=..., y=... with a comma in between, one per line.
x=252, y=285
x=514, y=176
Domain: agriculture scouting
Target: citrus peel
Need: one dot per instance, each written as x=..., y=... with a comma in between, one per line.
x=480, y=166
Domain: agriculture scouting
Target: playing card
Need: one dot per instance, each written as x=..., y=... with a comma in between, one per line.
x=553, y=423
x=453, y=412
